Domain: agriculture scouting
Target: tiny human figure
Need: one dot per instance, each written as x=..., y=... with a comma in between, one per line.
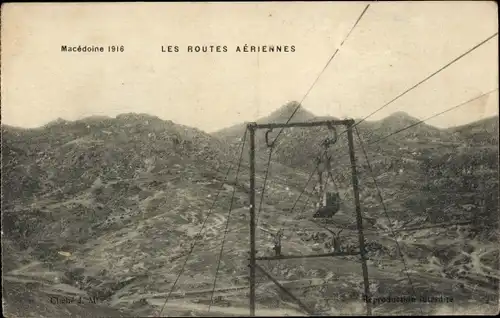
x=277, y=249
x=277, y=243
x=336, y=246
x=336, y=242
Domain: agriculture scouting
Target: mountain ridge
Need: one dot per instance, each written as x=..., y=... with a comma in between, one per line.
x=282, y=114
x=372, y=131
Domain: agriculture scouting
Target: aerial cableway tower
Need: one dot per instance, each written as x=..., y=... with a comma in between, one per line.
x=327, y=207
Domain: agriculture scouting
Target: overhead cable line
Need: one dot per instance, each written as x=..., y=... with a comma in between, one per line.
x=433, y=116
x=264, y=186
x=323, y=70
x=197, y=237
x=227, y=222
x=427, y=78
x=427, y=119
x=301, y=193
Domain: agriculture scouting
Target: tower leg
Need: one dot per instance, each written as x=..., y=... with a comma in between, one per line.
x=252, y=220
x=359, y=221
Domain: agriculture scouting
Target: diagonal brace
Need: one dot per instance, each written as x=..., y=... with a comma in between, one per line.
x=283, y=289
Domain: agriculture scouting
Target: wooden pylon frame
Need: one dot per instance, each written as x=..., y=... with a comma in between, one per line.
x=348, y=123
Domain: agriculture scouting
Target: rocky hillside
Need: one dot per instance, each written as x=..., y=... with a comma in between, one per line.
x=68, y=184
x=37, y=162
x=426, y=175
x=402, y=161
x=105, y=204
x=482, y=132
x=108, y=208
x=295, y=142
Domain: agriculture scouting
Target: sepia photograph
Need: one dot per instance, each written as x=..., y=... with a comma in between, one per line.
x=225, y=159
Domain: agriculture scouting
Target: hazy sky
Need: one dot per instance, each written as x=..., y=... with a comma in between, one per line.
x=393, y=47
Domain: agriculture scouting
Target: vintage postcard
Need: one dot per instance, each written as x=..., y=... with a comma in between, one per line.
x=250, y=159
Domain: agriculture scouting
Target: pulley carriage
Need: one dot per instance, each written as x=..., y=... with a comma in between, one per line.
x=329, y=200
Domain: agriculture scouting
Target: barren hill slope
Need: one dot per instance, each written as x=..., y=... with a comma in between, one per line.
x=426, y=176
x=109, y=207
x=67, y=187
x=482, y=132
x=294, y=143
x=106, y=204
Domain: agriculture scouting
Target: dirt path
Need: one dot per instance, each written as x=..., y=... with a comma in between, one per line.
x=296, y=284
x=237, y=311
x=26, y=279
x=442, y=281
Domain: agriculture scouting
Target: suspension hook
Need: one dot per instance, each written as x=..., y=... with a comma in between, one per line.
x=270, y=145
x=332, y=138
